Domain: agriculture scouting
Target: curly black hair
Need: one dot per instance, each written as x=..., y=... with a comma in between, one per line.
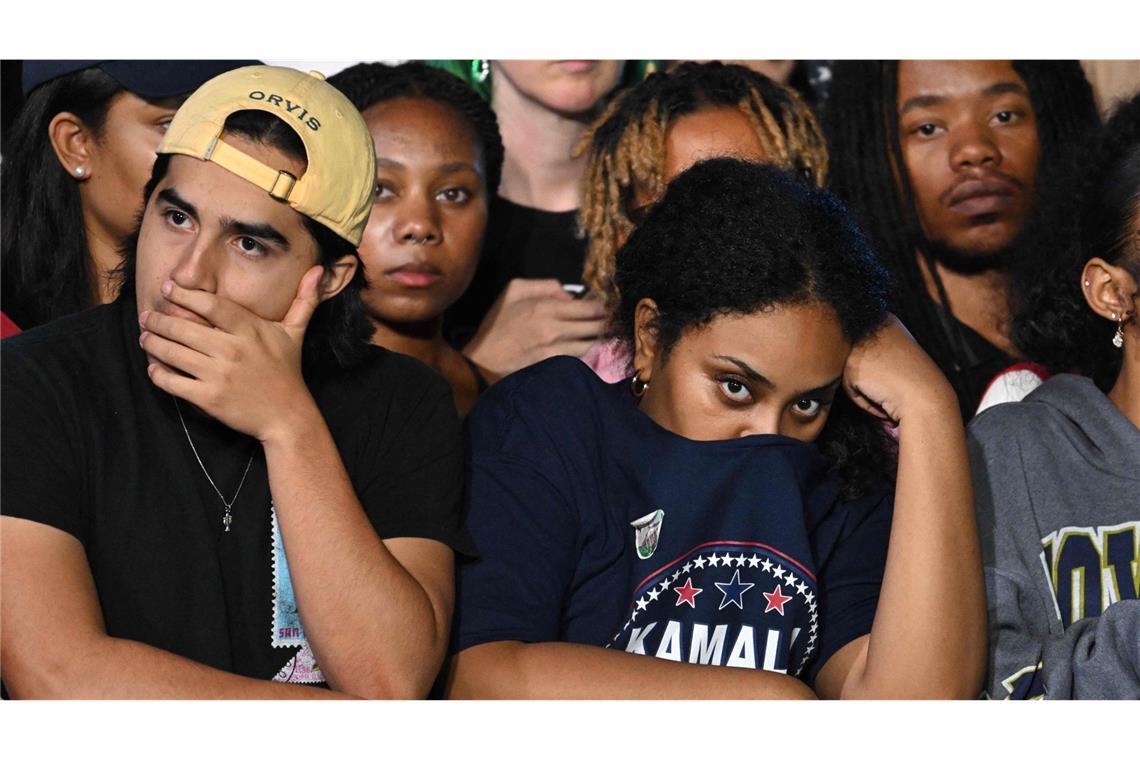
x=1053, y=324
x=734, y=237
x=366, y=84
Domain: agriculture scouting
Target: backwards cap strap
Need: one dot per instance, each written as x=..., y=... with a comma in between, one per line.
x=279, y=184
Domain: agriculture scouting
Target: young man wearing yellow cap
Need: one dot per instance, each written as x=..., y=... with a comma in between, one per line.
x=214, y=487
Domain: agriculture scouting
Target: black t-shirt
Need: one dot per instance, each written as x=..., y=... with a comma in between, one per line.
x=92, y=447
x=520, y=242
x=975, y=365
x=597, y=526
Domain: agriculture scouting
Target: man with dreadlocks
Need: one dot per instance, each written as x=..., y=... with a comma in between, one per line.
x=662, y=126
x=941, y=162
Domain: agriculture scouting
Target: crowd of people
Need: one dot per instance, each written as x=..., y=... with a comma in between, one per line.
x=570, y=379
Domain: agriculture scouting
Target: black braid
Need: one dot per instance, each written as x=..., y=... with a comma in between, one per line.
x=366, y=84
x=861, y=124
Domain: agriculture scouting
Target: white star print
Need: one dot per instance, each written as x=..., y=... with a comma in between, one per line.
x=714, y=561
x=688, y=566
x=633, y=616
x=740, y=561
x=665, y=584
x=811, y=607
x=779, y=572
x=809, y=597
x=653, y=594
x=642, y=604
x=700, y=562
x=767, y=565
x=802, y=587
x=754, y=561
x=676, y=575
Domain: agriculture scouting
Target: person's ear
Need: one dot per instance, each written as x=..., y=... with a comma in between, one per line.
x=645, y=337
x=1109, y=289
x=72, y=142
x=337, y=276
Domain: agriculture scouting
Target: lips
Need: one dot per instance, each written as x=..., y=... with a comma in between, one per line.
x=977, y=197
x=577, y=67
x=415, y=275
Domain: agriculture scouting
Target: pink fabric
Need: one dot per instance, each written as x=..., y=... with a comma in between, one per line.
x=609, y=359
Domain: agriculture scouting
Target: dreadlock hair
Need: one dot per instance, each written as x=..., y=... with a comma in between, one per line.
x=861, y=123
x=366, y=84
x=339, y=332
x=45, y=263
x=735, y=237
x=1054, y=325
x=625, y=147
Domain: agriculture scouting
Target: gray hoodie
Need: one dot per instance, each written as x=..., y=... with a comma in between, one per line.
x=1057, y=491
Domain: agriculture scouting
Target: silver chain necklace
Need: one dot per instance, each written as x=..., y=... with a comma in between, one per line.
x=227, y=518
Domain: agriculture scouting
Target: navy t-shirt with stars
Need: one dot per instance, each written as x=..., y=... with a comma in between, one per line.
x=597, y=526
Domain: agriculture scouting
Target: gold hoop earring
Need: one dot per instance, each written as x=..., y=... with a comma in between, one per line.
x=637, y=386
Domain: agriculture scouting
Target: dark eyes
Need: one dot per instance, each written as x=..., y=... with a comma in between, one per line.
x=250, y=245
x=176, y=218
x=926, y=130
x=807, y=407
x=734, y=389
x=454, y=195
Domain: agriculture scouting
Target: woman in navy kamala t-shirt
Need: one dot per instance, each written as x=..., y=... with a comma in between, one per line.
x=730, y=505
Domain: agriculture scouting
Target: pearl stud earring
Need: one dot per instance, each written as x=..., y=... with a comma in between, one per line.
x=79, y=171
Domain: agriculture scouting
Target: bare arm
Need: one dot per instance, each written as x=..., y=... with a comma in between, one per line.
x=55, y=645
x=559, y=670
x=928, y=638
x=377, y=613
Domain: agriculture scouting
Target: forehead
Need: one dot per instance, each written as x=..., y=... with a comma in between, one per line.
x=795, y=346
x=709, y=133
x=217, y=193
x=418, y=123
x=953, y=80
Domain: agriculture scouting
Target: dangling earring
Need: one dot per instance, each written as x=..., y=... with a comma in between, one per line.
x=1118, y=338
x=637, y=386
x=480, y=69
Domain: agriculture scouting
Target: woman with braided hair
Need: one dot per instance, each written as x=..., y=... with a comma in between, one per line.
x=654, y=131
x=438, y=161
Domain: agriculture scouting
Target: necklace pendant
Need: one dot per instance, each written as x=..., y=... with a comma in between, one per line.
x=227, y=518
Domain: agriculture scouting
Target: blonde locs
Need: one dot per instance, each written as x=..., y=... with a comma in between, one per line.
x=625, y=148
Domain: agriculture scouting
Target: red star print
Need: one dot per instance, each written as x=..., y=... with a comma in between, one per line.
x=776, y=600
x=687, y=594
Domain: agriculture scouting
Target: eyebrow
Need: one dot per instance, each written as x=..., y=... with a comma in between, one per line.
x=747, y=370
x=756, y=376
x=255, y=229
x=171, y=196
x=929, y=101
x=449, y=168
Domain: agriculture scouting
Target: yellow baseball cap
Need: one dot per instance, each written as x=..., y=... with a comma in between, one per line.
x=337, y=186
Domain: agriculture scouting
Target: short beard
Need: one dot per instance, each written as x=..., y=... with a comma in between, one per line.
x=969, y=262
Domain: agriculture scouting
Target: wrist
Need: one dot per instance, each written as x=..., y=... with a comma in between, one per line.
x=293, y=424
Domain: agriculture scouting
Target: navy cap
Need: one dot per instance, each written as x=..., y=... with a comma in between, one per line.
x=147, y=79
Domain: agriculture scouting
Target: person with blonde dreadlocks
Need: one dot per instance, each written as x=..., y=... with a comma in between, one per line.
x=657, y=129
